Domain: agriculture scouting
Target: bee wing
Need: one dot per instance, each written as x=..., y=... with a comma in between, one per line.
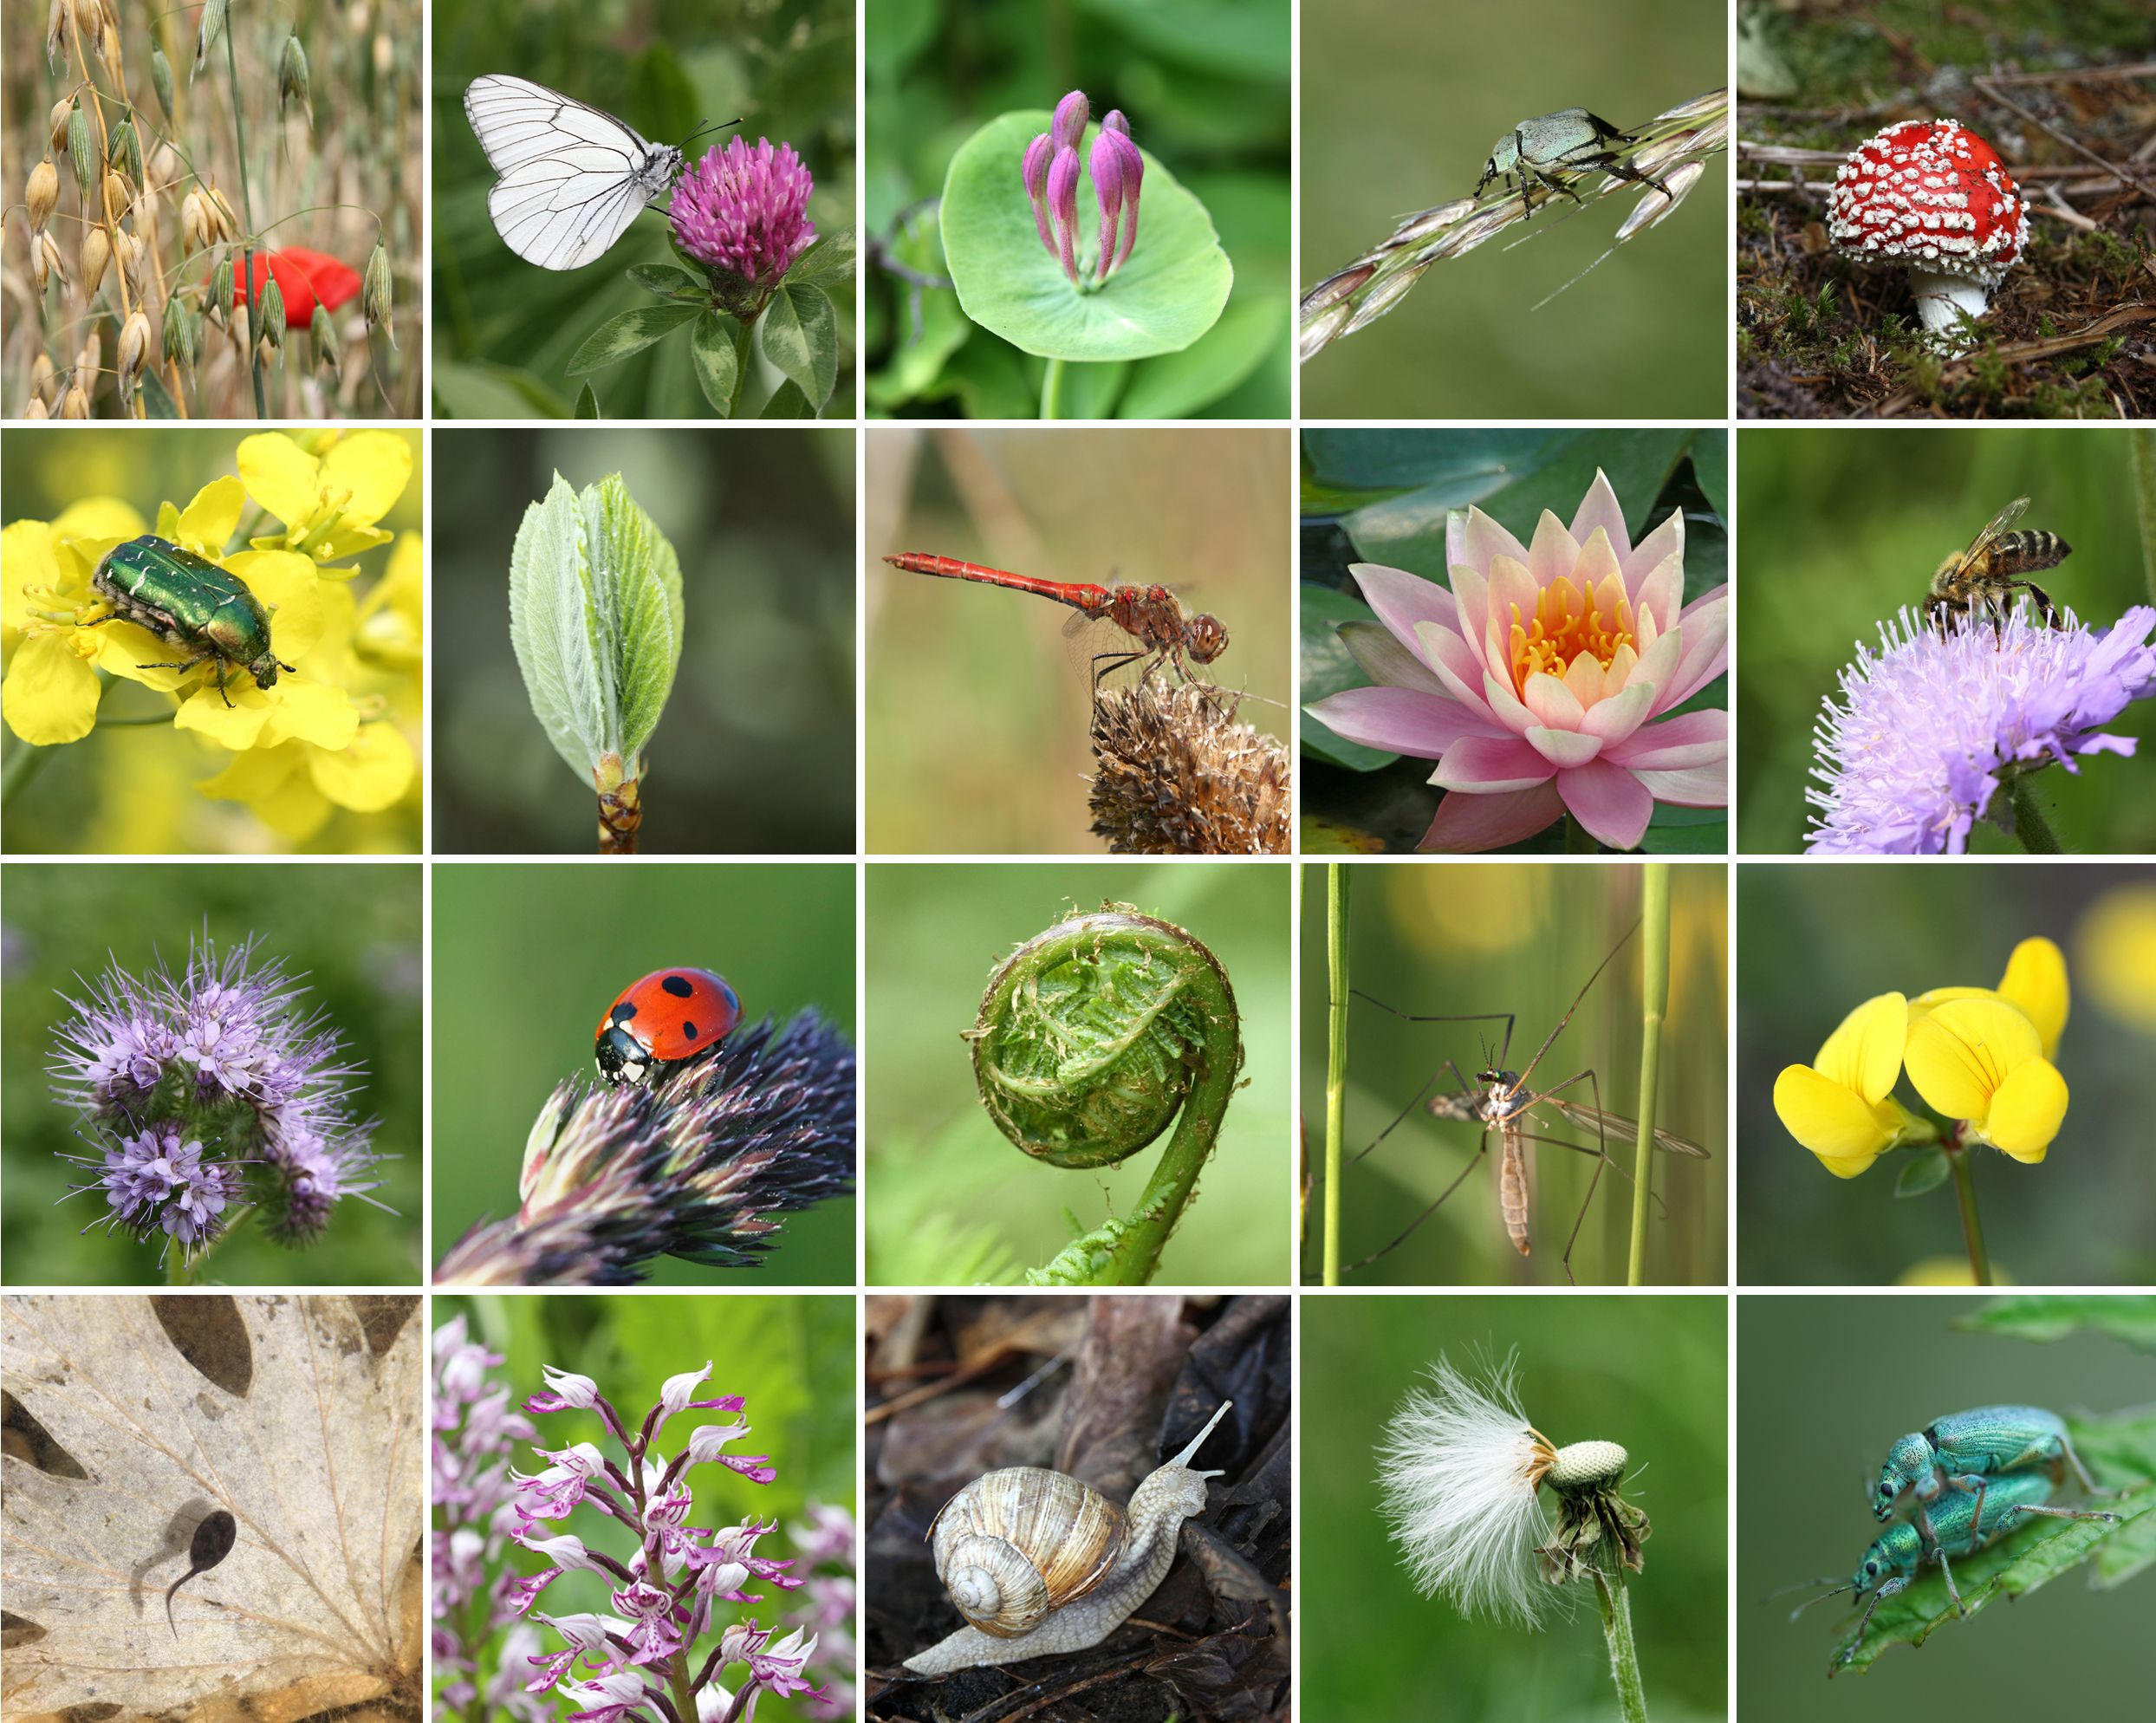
x=2005, y=518
x=1579, y=1113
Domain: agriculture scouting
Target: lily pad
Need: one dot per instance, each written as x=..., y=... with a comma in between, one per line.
x=1169, y=293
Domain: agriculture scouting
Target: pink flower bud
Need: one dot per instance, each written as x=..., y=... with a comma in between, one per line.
x=1108, y=187
x=1133, y=178
x=1116, y=122
x=1062, y=200
x=1069, y=127
x=1034, y=171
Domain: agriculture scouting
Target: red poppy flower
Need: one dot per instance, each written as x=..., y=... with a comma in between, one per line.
x=303, y=277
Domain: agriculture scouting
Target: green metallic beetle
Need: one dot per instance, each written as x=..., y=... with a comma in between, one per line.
x=1973, y=1450
x=190, y=603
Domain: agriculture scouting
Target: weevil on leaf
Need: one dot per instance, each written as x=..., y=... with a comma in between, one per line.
x=1570, y=141
x=1961, y=1524
x=1971, y=1451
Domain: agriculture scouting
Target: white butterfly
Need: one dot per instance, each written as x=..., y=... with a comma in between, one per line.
x=573, y=179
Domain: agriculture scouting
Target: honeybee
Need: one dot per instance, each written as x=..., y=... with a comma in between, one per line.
x=1983, y=579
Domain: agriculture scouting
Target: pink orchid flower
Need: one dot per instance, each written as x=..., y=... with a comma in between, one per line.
x=1539, y=682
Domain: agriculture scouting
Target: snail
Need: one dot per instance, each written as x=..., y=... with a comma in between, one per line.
x=1039, y=1563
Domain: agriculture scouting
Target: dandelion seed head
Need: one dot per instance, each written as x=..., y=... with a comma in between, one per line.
x=1460, y=1465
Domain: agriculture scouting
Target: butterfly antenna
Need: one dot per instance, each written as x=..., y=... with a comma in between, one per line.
x=704, y=125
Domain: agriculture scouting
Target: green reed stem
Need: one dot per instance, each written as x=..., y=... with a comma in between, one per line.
x=1654, y=1008
x=1336, y=1056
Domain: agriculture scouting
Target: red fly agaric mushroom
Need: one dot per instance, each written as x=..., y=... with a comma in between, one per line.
x=1933, y=196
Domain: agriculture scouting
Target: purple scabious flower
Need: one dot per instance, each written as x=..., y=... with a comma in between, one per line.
x=1932, y=726
x=183, y=1081
x=743, y=209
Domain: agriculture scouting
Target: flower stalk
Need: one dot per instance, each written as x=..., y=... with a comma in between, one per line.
x=1336, y=883
x=1653, y=1011
x=1971, y=1224
x=1614, y=1603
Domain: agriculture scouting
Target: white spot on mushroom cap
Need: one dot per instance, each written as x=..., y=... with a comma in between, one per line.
x=1914, y=193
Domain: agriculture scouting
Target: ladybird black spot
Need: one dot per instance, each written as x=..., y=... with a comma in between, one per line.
x=689, y=1029
x=680, y=986
x=624, y=1011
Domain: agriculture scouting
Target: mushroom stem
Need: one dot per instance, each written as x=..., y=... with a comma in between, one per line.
x=1942, y=299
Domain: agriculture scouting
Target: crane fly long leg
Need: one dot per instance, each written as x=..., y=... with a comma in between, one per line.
x=1458, y=1016
x=1615, y=1165
x=1480, y=1149
x=1529, y=1069
x=1601, y=1153
x=1424, y=1090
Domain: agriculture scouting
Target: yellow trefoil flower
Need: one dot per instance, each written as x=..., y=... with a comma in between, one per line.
x=1841, y=1106
x=1980, y=1059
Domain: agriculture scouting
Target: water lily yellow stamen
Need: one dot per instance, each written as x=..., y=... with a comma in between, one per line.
x=1841, y=1106
x=1980, y=1059
x=1572, y=626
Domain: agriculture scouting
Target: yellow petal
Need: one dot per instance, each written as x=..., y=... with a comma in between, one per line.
x=275, y=785
x=1960, y=1053
x=129, y=650
x=1864, y=1053
x=211, y=518
x=50, y=695
x=26, y=559
x=2027, y=1111
x=238, y=726
x=306, y=711
x=2114, y=946
x=99, y=517
x=374, y=466
x=1830, y=1120
x=370, y=775
x=280, y=475
x=2036, y=980
x=285, y=582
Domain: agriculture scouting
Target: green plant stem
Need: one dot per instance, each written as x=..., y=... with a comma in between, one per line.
x=1972, y=1227
x=1052, y=390
x=2029, y=824
x=1577, y=842
x=2142, y=442
x=1615, y=1605
x=23, y=766
x=1336, y=1056
x=1653, y=1007
x=744, y=356
x=1175, y=1175
x=247, y=220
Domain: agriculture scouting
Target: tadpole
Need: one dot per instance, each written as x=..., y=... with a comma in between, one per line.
x=212, y=1544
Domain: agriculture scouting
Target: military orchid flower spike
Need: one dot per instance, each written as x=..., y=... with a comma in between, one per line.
x=1050, y=168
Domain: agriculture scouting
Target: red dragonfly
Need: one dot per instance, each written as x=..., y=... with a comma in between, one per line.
x=1151, y=615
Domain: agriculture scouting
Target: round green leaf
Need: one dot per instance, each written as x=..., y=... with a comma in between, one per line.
x=1169, y=293
x=718, y=365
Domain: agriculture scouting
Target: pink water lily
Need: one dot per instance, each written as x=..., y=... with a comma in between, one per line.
x=1539, y=682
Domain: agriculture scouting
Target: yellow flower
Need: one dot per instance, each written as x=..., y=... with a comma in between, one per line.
x=1980, y=1059
x=1841, y=1106
x=51, y=693
x=2034, y=983
x=1948, y=1272
x=329, y=501
x=2116, y=946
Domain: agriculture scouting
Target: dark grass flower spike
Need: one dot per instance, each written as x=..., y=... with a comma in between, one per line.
x=697, y=1165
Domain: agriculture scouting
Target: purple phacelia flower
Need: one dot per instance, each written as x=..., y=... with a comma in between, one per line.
x=1049, y=170
x=743, y=211
x=184, y=1081
x=1931, y=727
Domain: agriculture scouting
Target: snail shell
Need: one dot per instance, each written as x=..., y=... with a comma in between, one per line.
x=1014, y=1544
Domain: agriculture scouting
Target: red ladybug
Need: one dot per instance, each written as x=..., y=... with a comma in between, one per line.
x=668, y=1016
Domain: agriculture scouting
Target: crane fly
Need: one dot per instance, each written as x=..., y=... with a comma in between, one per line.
x=1159, y=629
x=1506, y=1103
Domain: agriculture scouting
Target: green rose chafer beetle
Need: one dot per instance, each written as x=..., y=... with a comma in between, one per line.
x=192, y=604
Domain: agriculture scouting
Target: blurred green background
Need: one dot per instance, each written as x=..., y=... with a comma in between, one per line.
x=129, y=788
x=1824, y=1387
x=1818, y=941
x=1650, y=1373
x=1206, y=87
x=352, y=933
x=978, y=698
x=1385, y=495
x=1842, y=527
x=1520, y=937
x=756, y=750
x=951, y=1201
x=505, y=330
x=528, y=957
x=1401, y=105
x=791, y=1357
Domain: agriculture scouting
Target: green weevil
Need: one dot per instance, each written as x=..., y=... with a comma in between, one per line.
x=1570, y=141
x=191, y=603
x=1972, y=1450
x=1961, y=1523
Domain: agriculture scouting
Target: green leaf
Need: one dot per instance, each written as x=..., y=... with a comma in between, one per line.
x=787, y=401
x=1701, y=840
x=552, y=630
x=1711, y=466
x=830, y=260
x=784, y=339
x=1244, y=39
x=481, y=391
x=1170, y=292
x=1177, y=385
x=816, y=323
x=915, y=368
x=1924, y=1170
x=716, y=364
x=1328, y=667
x=588, y=403
x=632, y=332
x=1474, y=463
x=667, y=281
x=157, y=400
x=1091, y=391
x=2131, y=1319
x=635, y=583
